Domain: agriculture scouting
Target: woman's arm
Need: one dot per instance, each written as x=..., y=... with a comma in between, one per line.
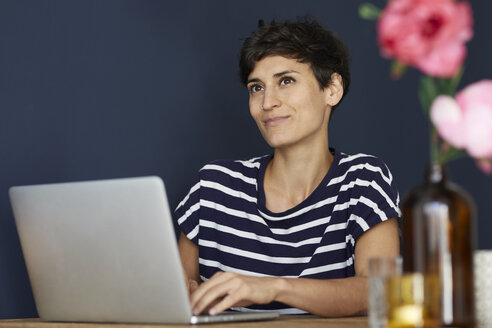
x=188, y=253
x=330, y=297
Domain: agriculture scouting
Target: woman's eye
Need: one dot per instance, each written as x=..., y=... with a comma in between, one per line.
x=287, y=80
x=255, y=88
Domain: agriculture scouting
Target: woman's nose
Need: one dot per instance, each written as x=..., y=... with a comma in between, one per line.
x=270, y=100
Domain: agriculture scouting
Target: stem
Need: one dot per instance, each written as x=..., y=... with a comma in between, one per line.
x=434, y=146
x=453, y=154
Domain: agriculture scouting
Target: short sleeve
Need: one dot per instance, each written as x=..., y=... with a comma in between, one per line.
x=375, y=198
x=187, y=212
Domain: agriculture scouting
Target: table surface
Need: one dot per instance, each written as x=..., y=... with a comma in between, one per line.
x=284, y=321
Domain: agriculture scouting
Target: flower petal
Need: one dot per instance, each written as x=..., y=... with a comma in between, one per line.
x=447, y=117
x=485, y=164
x=478, y=125
x=444, y=61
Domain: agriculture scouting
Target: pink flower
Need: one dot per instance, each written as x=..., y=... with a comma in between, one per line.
x=427, y=34
x=485, y=164
x=466, y=123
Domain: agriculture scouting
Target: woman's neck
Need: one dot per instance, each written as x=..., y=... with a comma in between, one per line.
x=293, y=174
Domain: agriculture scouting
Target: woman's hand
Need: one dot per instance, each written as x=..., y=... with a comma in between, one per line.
x=227, y=289
x=192, y=286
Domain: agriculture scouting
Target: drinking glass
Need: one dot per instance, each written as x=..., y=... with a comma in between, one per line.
x=483, y=287
x=380, y=269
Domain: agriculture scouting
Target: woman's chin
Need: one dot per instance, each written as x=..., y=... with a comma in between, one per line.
x=278, y=143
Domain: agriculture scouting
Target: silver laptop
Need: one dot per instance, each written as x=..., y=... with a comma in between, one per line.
x=105, y=251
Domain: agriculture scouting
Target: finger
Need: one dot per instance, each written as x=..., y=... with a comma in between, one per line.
x=209, y=299
x=224, y=304
x=193, y=286
x=215, y=294
x=210, y=306
x=216, y=280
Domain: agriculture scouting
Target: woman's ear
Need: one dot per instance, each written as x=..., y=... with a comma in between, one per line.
x=334, y=90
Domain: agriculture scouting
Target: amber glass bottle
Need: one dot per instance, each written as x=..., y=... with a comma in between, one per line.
x=438, y=230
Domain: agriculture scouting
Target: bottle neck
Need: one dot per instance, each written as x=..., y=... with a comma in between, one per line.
x=436, y=174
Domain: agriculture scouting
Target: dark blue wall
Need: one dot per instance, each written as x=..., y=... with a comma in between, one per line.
x=99, y=89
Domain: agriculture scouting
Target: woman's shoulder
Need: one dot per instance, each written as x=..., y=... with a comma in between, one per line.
x=238, y=167
x=362, y=164
x=360, y=158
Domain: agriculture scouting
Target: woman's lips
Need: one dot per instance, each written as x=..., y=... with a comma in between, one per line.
x=274, y=121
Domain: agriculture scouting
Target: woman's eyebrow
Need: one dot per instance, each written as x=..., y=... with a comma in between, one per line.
x=253, y=80
x=276, y=75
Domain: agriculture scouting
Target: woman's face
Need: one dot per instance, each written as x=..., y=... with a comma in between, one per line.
x=287, y=103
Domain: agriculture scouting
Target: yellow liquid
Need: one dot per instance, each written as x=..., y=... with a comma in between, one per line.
x=413, y=301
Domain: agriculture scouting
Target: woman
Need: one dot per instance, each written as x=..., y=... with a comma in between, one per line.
x=293, y=231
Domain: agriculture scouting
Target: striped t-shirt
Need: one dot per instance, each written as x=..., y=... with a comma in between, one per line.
x=224, y=214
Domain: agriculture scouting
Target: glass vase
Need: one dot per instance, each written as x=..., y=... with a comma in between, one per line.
x=438, y=230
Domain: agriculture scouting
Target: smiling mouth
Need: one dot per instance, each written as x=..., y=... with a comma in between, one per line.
x=274, y=121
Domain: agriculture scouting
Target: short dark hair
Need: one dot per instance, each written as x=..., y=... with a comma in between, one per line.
x=305, y=40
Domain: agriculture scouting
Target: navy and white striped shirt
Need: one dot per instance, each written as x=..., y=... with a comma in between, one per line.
x=224, y=214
